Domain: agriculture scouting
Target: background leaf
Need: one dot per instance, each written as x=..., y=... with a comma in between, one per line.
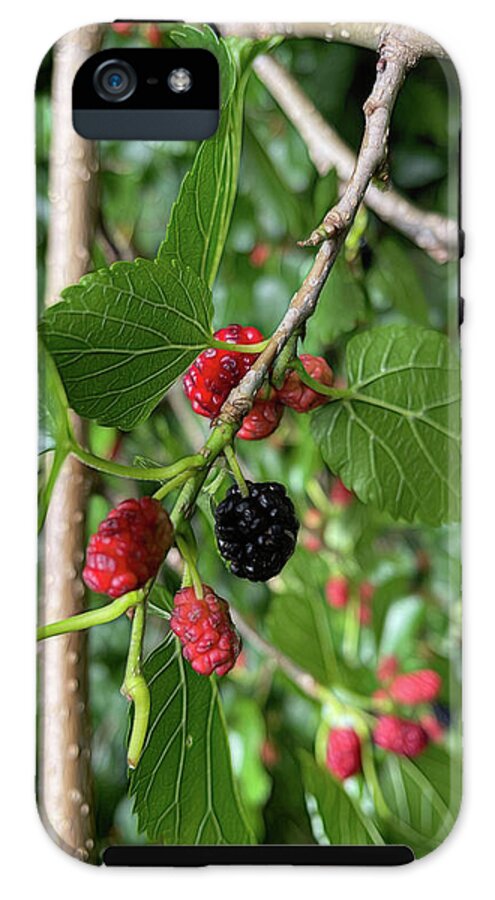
x=335, y=817
x=123, y=335
x=183, y=787
x=395, y=440
x=393, y=281
x=54, y=427
x=423, y=795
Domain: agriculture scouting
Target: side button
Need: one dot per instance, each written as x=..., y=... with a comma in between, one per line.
x=461, y=311
x=462, y=242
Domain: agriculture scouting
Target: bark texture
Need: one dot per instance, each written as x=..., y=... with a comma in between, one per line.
x=64, y=760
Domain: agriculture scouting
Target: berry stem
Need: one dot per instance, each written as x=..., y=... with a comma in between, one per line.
x=334, y=393
x=172, y=485
x=100, y=616
x=239, y=348
x=191, y=574
x=235, y=468
x=135, y=688
x=138, y=473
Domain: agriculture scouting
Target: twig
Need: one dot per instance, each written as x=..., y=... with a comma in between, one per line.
x=305, y=682
x=433, y=233
x=370, y=35
x=394, y=60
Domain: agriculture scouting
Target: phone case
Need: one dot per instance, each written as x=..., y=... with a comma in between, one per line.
x=249, y=572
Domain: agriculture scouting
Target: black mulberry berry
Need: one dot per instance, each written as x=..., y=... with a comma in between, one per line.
x=256, y=534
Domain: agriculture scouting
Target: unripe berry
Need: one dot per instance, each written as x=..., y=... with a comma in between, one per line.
x=387, y=668
x=262, y=420
x=400, y=736
x=411, y=688
x=203, y=625
x=340, y=495
x=337, y=592
x=210, y=379
x=299, y=396
x=259, y=255
x=343, y=753
x=128, y=547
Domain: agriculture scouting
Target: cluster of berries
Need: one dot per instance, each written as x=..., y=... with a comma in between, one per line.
x=337, y=593
x=127, y=551
x=209, y=381
x=394, y=733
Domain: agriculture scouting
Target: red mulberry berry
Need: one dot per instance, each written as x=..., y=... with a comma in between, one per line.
x=337, y=592
x=387, y=668
x=339, y=495
x=400, y=736
x=124, y=28
x=210, y=379
x=128, y=547
x=205, y=630
x=262, y=420
x=259, y=255
x=343, y=753
x=154, y=35
x=299, y=396
x=422, y=686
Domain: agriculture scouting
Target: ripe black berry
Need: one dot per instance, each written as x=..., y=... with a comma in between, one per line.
x=258, y=533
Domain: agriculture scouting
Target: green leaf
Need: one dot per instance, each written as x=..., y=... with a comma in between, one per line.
x=335, y=818
x=202, y=36
x=300, y=621
x=423, y=795
x=54, y=426
x=183, y=787
x=200, y=216
x=394, y=440
x=400, y=628
x=123, y=335
x=393, y=281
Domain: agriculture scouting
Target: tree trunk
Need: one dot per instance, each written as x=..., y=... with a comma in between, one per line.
x=65, y=788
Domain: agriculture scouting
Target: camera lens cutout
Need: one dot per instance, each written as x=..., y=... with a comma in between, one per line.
x=115, y=80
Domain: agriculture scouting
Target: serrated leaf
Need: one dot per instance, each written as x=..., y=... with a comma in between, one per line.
x=335, y=818
x=202, y=36
x=423, y=795
x=123, y=335
x=183, y=787
x=394, y=440
x=300, y=622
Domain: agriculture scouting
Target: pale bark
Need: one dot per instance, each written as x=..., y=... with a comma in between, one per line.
x=65, y=794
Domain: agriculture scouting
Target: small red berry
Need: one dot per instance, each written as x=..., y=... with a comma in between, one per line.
x=259, y=255
x=270, y=754
x=299, y=396
x=206, y=631
x=340, y=495
x=432, y=727
x=313, y=518
x=387, y=668
x=343, y=753
x=337, y=592
x=380, y=694
x=128, y=547
x=154, y=35
x=262, y=420
x=210, y=379
x=366, y=591
x=422, y=686
x=123, y=28
x=400, y=736
x=365, y=614
x=312, y=543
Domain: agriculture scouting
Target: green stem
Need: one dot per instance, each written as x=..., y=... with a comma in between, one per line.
x=240, y=348
x=172, y=485
x=189, y=558
x=46, y=492
x=236, y=469
x=135, y=688
x=333, y=393
x=100, y=616
x=158, y=473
